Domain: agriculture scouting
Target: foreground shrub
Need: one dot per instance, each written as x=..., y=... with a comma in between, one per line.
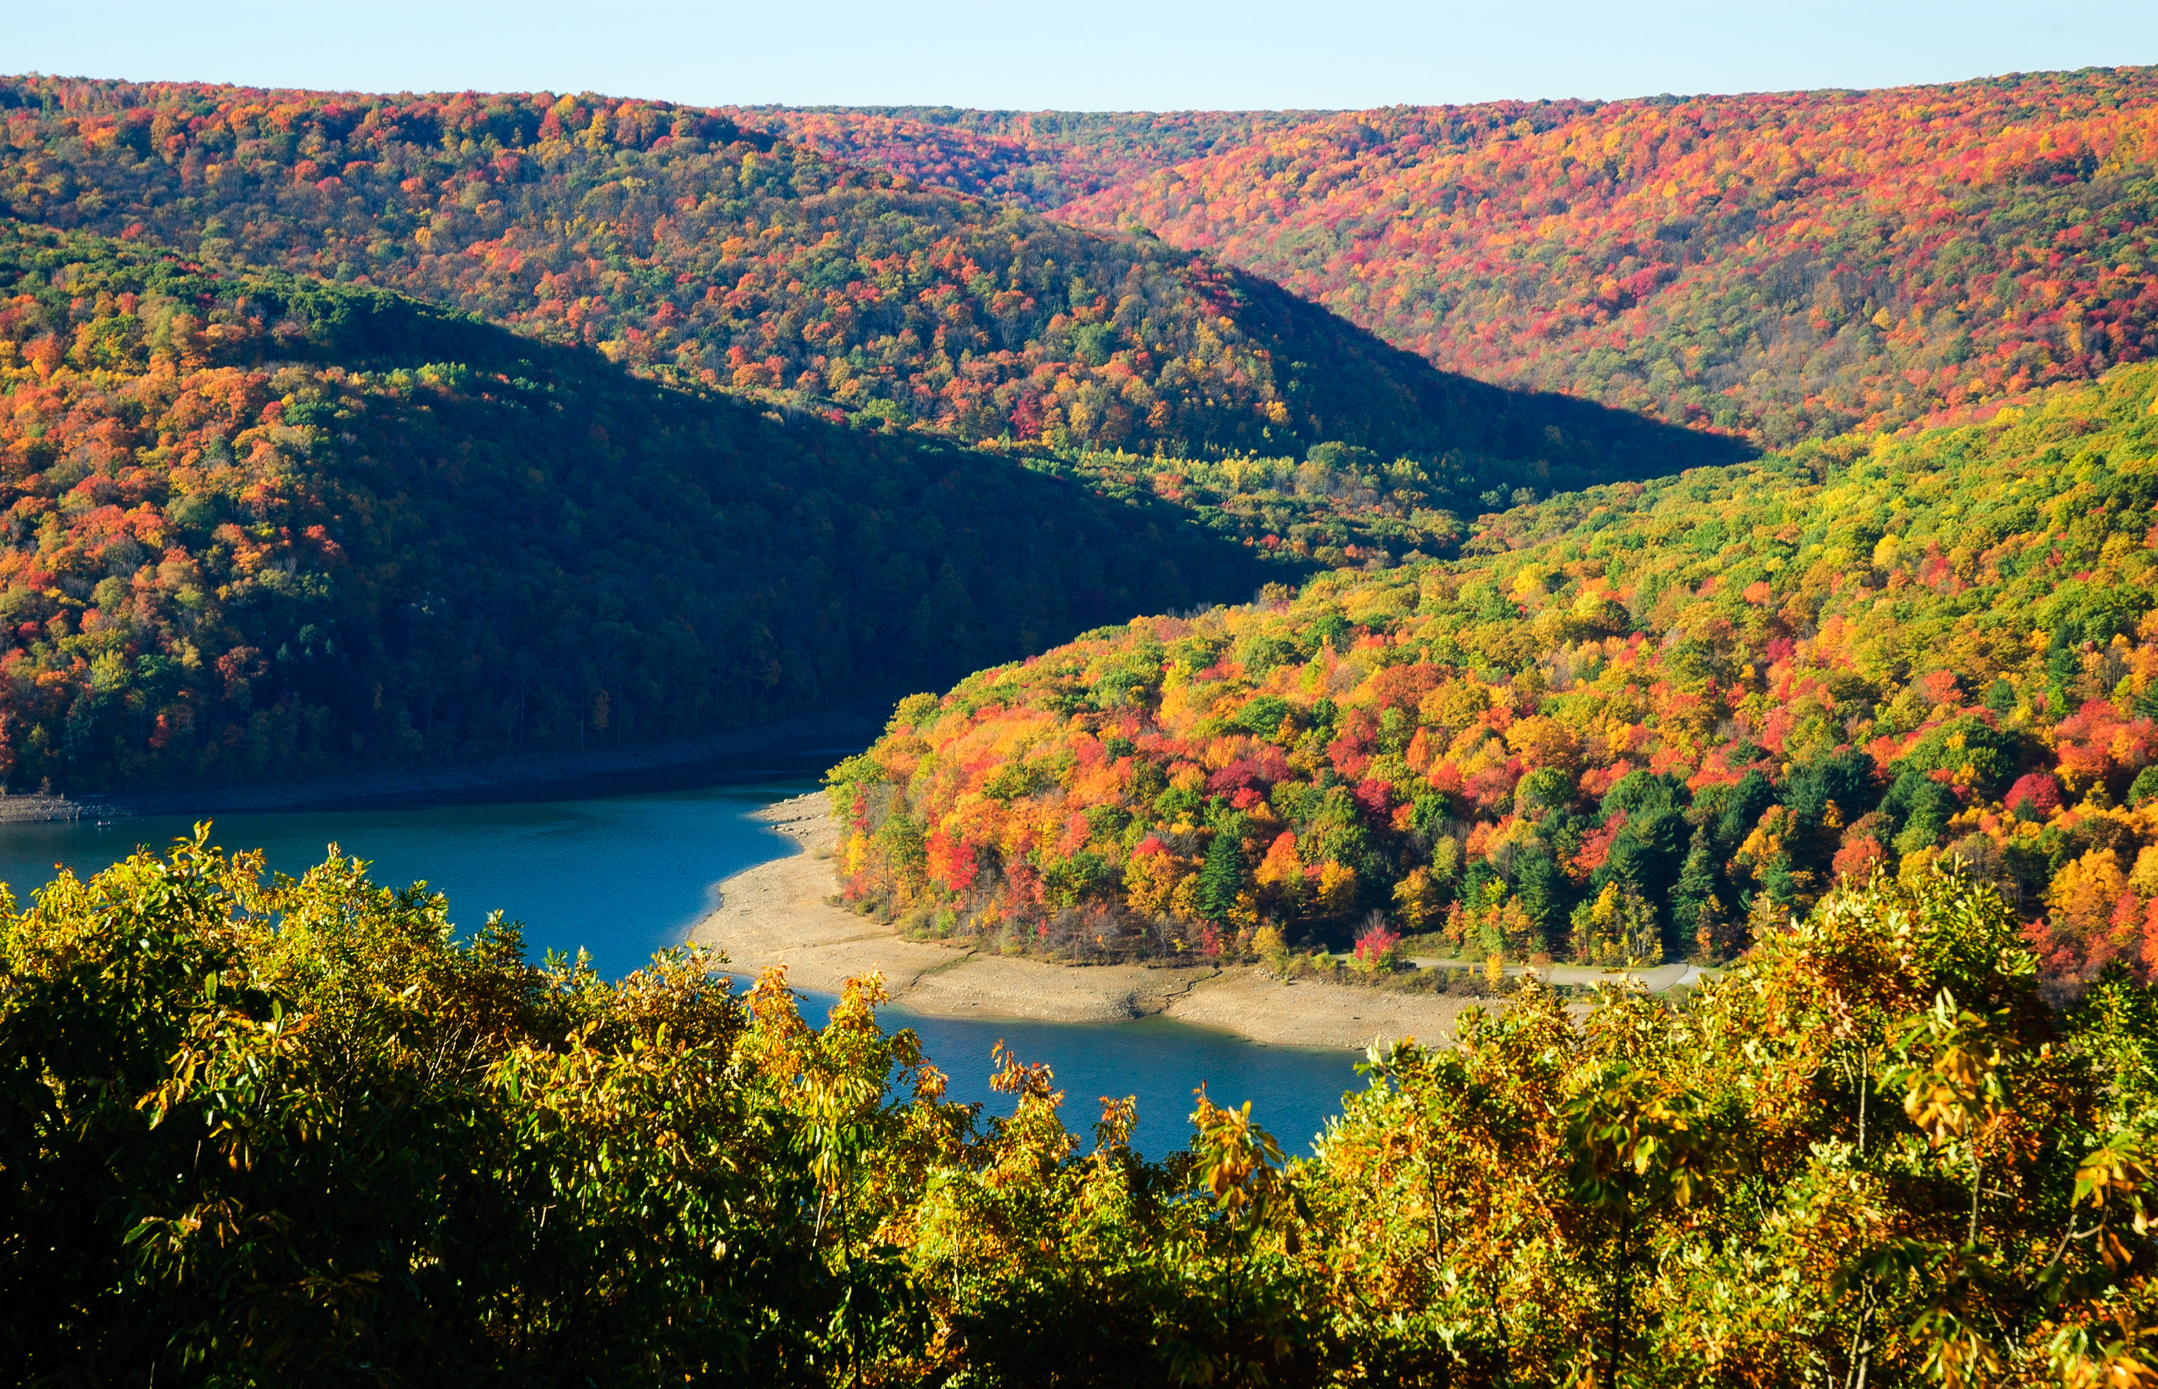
x=257, y=1132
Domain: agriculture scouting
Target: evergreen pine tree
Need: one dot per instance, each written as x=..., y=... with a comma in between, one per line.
x=1694, y=895
x=1539, y=884
x=1221, y=877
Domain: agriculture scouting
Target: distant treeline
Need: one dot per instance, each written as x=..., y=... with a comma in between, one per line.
x=687, y=247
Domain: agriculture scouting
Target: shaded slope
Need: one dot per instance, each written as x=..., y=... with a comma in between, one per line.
x=255, y=526
x=1540, y=439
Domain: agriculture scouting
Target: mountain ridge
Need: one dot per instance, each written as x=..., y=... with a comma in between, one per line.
x=1777, y=265
x=681, y=245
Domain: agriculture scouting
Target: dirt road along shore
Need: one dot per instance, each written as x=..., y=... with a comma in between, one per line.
x=777, y=913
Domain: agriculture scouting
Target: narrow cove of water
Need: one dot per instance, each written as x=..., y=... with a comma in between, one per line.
x=1159, y=1062
x=622, y=876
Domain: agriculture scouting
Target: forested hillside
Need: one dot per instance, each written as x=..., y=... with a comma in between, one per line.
x=684, y=247
x=255, y=526
x=305, y=1131
x=1641, y=722
x=1041, y=159
x=350, y=431
x=1784, y=266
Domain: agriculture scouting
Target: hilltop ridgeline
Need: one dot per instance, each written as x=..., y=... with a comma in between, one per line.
x=692, y=249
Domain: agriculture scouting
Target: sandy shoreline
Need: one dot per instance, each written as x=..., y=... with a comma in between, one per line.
x=776, y=913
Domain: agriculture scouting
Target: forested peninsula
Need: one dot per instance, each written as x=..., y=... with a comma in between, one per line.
x=1635, y=723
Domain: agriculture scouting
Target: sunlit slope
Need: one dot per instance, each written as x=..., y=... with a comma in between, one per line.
x=1784, y=265
x=1642, y=722
x=688, y=248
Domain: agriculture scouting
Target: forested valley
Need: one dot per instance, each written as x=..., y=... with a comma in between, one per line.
x=1779, y=266
x=1783, y=267
x=793, y=432
x=678, y=243
x=1718, y=530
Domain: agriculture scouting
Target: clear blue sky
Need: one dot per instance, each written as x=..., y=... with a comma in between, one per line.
x=1091, y=55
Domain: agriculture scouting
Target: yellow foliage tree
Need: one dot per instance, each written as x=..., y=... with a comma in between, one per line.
x=1417, y=900
x=1150, y=882
x=1544, y=742
x=2081, y=899
x=1618, y=928
x=1337, y=888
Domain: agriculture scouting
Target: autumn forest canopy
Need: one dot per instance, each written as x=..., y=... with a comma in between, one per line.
x=1719, y=530
x=1782, y=266
x=1641, y=722
x=805, y=352
x=922, y=276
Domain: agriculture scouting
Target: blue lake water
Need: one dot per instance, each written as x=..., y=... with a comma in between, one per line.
x=622, y=876
x=1157, y=1061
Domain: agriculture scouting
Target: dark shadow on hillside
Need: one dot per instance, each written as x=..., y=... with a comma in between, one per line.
x=1395, y=402
x=789, y=753
x=839, y=564
x=496, y=546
